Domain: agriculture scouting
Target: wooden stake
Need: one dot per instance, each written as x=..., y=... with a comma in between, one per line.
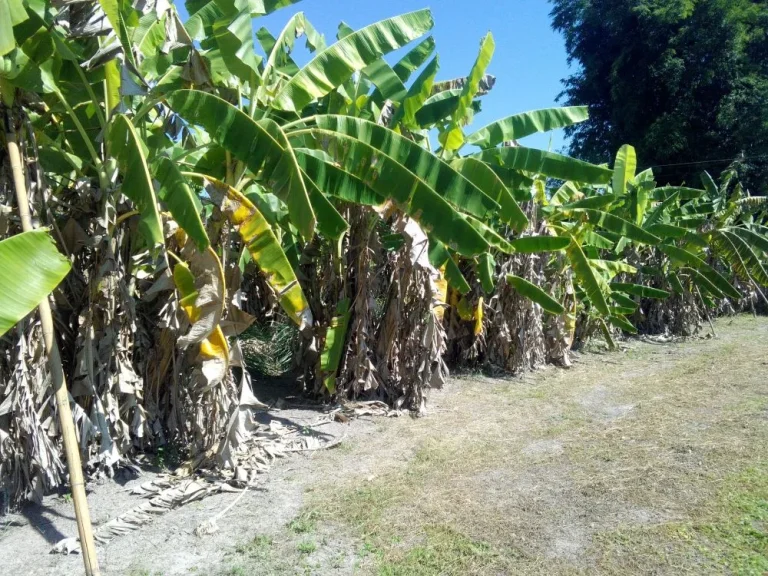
x=66, y=422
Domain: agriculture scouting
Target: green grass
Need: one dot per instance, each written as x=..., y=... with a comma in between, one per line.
x=728, y=534
x=304, y=524
x=306, y=546
x=443, y=551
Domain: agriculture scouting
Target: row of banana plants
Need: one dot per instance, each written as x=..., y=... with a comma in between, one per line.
x=196, y=180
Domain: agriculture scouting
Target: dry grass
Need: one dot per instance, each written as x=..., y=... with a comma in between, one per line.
x=649, y=461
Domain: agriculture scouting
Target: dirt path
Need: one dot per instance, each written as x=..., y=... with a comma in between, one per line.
x=649, y=461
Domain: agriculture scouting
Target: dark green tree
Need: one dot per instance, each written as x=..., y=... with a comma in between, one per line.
x=682, y=80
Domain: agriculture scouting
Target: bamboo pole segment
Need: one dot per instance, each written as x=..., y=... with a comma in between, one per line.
x=66, y=422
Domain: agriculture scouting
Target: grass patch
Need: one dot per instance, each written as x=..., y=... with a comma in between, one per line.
x=304, y=524
x=306, y=547
x=258, y=548
x=728, y=535
x=444, y=551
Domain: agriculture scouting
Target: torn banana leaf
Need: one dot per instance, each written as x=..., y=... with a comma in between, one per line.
x=265, y=249
x=214, y=350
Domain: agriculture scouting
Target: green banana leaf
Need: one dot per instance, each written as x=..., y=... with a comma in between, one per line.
x=685, y=194
x=624, y=169
x=438, y=108
x=535, y=294
x=622, y=323
x=521, y=125
x=486, y=268
x=620, y=226
x=546, y=163
x=391, y=179
x=703, y=283
x=333, y=348
x=492, y=237
x=685, y=257
x=755, y=240
x=659, y=210
x=264, y=247
x=416, y=95
x=585, y=276
x=387, y=82
x=32, y=267
x=336, y=64
x=709, y=185
x=743, y=259
x=12, y=12
x=184, y=205
x=612, y=267
x=639, y=290
x=235, y=41
x=534, y=244
x=440, y=256
x=262, y=146
x=436, y=173
x=623, y=300
x=591, y=238
x=128, y=148
x=413, y=60
x=482, y=176
x=592, y=202
x=335, y=181
x=453, y=138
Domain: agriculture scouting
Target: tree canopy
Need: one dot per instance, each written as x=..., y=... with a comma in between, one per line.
x=682, y=80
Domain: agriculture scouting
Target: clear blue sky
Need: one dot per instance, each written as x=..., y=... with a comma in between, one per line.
x=529, y=61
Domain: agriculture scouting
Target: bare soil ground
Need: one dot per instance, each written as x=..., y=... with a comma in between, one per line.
x=653, y=460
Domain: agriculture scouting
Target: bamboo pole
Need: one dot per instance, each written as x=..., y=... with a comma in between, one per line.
x=66, y=422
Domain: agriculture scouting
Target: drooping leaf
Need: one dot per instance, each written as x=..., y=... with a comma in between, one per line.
x=336, y=64
x=546, y=163
x=335, y=181
x=265, y=249
x=592, y=202
x=333, y=347
x=639, y=290
x=482, y=176
x=436, y=173
x=262, y=146
x=521, y=125
x=585, y=275
x=534, y=244
x=183, y=204
x=201, y=291
x=746, y=263
x=622, y=323
x=535, y=294
x=128, y=148
x=31, y=268
x=623, y=300
x=620, y=226
x=440, y=257
x=391, y=179
x=694, y=261
x=486, y=266
x=757, y=241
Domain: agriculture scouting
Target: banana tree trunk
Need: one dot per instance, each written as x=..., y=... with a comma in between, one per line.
x=66, y=422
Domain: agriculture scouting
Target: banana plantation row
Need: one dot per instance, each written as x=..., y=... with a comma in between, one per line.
x=189, y=183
